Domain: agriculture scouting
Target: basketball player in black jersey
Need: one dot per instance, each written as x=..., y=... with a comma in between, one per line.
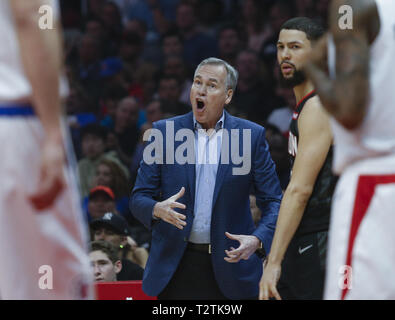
x=299, y=245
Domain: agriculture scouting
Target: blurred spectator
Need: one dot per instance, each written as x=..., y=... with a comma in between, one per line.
x=169, y=91
x=157, y=14
x=96, y=28
x=109, y=100
x=93, y=139
x=79, y=102
x=114, y=229
x=104, y=21
x=72, y=39
x=101, y=200
x=93, y=144
x=132, y=46
x=80, y=112
x=175, y=66
x=255, y=211
x=209, y=14
x=89, y=56
x=253, y=96
x=254, y=22
x=229, y=44
x=124, y=135
x=111, y=17
x=278, y=146
x=280, y=11
x=88, y=68
x=95, y=8
x=105, y=262
x=137, y=74
x=151, y=52
x=281, y=117
x=197, y=45
x=71, y=14
x=136, y=26
x=110, y=174
x=230, y=9
x=321, y=11
x=172, y=44
x=111, y=73
x=145, y=83
x=304, y=8
x=154, y=113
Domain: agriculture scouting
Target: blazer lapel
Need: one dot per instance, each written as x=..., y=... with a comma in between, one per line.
x=187, y=123
x=223, y=168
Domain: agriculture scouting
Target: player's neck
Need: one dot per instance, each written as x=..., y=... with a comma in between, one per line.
x=302, y=90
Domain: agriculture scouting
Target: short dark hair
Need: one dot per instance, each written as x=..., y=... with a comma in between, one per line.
x=94, y=129
x=312, y=28
x=229, y=26
x=106, y=247
x=92, y=19
x=132, y=38
x=173, y=32
x=114, y=92
x=164, y=77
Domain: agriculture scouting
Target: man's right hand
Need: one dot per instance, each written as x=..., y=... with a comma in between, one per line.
x=269, y=280
x=164, y=210
x=51, y=173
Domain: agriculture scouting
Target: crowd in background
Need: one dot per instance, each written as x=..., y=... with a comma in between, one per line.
x=130, y=63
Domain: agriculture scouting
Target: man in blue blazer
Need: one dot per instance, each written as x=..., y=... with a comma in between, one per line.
x=192, y=191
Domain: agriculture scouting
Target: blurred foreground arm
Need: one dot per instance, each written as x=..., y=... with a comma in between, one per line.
x=345, y=96
x=41, y=58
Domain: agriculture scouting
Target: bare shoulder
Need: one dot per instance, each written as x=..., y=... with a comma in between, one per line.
x=314, y=108
x=314, y=120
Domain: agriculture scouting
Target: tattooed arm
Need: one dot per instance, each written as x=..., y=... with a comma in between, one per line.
x=346, y=96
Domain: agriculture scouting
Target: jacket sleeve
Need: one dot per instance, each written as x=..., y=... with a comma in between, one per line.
x=145, y=191
x=268, y=191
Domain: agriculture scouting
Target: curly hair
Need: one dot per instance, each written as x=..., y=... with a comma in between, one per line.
x=119, y=184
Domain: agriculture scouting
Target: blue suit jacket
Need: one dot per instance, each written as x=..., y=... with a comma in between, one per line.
x=231, y=211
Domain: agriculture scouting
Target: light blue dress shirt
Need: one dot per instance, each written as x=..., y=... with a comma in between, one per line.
x=208, y=150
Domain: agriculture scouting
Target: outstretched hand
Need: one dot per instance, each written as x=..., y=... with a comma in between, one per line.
x=164, y=210
x=248, y=246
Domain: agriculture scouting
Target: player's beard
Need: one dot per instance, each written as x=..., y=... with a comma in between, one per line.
x=297, y=78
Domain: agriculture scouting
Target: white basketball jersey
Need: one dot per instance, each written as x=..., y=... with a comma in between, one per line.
x=14, y=85
x=376, y=135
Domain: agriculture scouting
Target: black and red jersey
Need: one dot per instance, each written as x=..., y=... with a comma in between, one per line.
x=317, y=212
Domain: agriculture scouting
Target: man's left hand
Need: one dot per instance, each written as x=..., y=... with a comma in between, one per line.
x=248, y=246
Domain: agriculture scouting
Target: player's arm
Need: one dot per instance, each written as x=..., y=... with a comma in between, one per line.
x=41, y=58
x=346, y=96
x=315, y=139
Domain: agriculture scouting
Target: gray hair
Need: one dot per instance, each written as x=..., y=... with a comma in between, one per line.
x=231, y=73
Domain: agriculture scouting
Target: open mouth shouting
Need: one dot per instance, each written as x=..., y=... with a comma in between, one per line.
x=200, y=105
